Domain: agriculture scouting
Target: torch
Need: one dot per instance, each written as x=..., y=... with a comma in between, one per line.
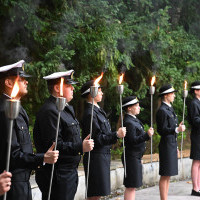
x=185, y=94
x=93, y=93
x=151, y=92
x=120, y=90
x=12, y=108
x=60, y=105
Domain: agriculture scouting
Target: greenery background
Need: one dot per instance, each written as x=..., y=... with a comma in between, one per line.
x=142, y=37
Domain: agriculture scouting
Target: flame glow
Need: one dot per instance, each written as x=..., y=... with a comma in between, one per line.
x=185, y=85
x=61, y=86
x=98, y=79
x=121, y=78
x=15, y=89
x=153, y=80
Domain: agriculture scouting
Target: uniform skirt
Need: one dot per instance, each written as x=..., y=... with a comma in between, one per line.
x=168, y=161
x=99, y=174
x=133, y=177
x=195, y=147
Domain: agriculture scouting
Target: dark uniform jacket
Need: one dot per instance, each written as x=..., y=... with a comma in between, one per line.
x=22, y=158
x=69, y=141
x=69, y=144
x=167, y=122
x=99, y=171
x=135, y=137
x=135, y=147
x=101, y=130
x=194, y=120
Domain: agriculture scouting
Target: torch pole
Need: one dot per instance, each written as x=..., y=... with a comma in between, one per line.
x=151, y=126
x=120, y=90
x=185, y=93
x=152, y=91
x=12, y=111
x=60, y=103
x=93, y=93
x=8, y=150
x=122, y=125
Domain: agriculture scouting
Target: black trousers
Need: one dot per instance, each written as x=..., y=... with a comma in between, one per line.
x=64, y=185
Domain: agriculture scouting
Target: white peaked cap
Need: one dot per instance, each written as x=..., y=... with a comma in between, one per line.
x=9, y=67
x=58, y=75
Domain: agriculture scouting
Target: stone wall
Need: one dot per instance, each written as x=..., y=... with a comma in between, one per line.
x=150, y=177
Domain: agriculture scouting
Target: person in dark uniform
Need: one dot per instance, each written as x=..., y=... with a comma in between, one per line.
x=5, y=182
x=167, y=127
x=135, y=146
x=22, y=159
x=70, y=145
x=194, y=120
x=99, y=173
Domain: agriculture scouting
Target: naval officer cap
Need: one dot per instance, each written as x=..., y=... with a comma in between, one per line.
x=16, y=69
x=166, y=89
x=195, y=86
x=129, y=101
x=85, y=89
x=55, y=77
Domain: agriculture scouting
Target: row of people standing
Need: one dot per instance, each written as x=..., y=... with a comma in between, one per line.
x=168, y=128
x=71, y=147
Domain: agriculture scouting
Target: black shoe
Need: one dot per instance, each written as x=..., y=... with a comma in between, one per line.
x=194, y=193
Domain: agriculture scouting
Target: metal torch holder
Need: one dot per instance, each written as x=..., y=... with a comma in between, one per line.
x=93, y=93
x=12, y=108
x=60, y=105
x=185, y=94
x=120, y=90
x=151, y=92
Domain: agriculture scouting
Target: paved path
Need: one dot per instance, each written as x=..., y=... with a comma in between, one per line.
x=177, y=191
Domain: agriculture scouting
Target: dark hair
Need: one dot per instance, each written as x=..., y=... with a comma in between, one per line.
x=51, y=83
x=2, y=82
x=2, y=85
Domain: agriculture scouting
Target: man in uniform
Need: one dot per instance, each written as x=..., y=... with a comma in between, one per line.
x=70, y=145
x=22, y=159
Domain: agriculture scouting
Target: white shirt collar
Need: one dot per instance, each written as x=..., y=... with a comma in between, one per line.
x=131, y=115
x=94, y=105
x=56, y=97
x=7, y=96
x=167, y=104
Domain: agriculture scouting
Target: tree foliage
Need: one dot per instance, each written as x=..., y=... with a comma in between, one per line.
x=148, y=37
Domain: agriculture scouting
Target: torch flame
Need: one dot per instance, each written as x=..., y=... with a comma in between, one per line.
x=121, y=78
x=98, y=79
x=185, y=85
x=15, y=89
x=61, y=86
x=153, y=80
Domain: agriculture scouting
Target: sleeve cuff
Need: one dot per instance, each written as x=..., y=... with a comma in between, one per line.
x=176, y=130
x=147, y=136
x=40, y=160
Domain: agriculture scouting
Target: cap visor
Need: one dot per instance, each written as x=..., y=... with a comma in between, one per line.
x=71, y=82
x=25, y=75
x=160, y=95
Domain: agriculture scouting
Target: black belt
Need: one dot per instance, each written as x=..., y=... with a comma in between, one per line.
x=103, y=151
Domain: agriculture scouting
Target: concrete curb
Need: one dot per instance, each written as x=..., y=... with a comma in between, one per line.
x=150, y=177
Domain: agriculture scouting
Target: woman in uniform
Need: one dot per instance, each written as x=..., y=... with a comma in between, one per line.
x=99, y=169
x=135, y=146
x=167, y=127
x=194, y=120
